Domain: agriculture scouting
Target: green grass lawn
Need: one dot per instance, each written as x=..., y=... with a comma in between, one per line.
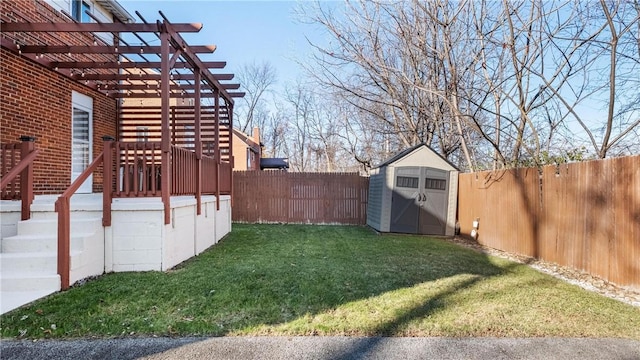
x=328, y=280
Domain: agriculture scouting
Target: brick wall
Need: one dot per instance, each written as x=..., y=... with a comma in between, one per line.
x=36, y=101
x=240, y=152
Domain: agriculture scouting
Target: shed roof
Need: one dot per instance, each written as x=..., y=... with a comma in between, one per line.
x=410, y=150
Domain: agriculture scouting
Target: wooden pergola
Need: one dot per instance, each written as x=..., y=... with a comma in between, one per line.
x=170, y=70
x=134, y=66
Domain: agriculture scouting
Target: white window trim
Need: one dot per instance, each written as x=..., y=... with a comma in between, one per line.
x=83, y=102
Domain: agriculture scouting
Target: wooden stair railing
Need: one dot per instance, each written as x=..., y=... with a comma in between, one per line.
x=25, y=169
x=63, y=208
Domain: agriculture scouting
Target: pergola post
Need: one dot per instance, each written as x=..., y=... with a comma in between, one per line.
x=166, y=132
x=126, y=71
x=26, y=178
x=198, y=140
x=107, y=179
x=231, y=157
x=216, y=149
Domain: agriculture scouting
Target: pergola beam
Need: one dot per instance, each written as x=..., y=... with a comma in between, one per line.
x=130, y=65
x=95, y=27
x=173, y=95
x=145, y=81
x=146, y=77
x=173, y=87
x=105, y=49
x=177, y=41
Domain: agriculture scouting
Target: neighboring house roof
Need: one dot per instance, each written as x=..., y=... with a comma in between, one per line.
x=251, y=143
x=408, y=151
x=274, y=163
x=117, y=10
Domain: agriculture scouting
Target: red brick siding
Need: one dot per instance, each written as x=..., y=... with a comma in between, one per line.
x=36, y=101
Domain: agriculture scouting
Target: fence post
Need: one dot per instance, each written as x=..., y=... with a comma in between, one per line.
x=107, y=179
x=26, y=178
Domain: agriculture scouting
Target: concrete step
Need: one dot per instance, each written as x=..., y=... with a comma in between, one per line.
x=29, y=282
x=40, y=243
x=12, y=264
x=10, y=300
x=50, y=225
x=75, y=215
x=18, y=264
x=86, y=202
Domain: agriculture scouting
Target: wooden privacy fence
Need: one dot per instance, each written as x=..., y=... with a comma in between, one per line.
x=584, y=215
x=315, y=198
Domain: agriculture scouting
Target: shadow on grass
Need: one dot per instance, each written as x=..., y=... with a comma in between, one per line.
x=363, y=349
x=259, y=277
x=328, y=267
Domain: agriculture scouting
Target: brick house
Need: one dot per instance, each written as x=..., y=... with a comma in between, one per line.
x=248, y=154
x=247, y=150
x=99, y=183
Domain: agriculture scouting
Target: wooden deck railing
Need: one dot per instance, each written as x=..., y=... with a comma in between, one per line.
x=144, y=160
x=63, y=208
x=137, y=169
x=138, y=172
x=183, y=171
x=210, y=175
x=226, y=180
x=11, y=167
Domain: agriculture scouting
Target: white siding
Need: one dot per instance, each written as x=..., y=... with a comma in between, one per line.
x=102, y=14
x=61, y=5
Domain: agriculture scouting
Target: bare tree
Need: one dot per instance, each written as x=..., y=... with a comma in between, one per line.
x=274, y=134
x=256, y=80
x=485, y=83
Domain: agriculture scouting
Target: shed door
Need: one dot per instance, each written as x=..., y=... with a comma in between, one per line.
x=433, y=208
x=405, y=209
x=419, y=201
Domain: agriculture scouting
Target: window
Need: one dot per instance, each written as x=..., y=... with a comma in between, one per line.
x=435, y=184
x=79, y=10
x=407, y=182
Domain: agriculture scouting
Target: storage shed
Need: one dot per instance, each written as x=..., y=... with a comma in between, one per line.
x=414, y=192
